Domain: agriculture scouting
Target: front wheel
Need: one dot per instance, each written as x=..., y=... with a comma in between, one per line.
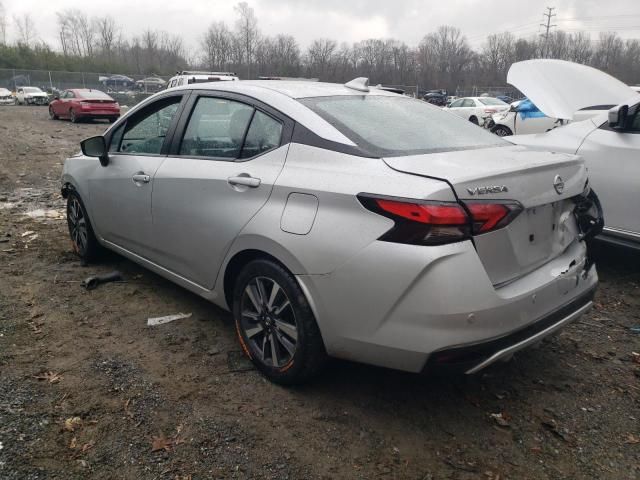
x=72, y=116
x=502, y=131
x=275, y=324
x=82, y=237
x=52, y=115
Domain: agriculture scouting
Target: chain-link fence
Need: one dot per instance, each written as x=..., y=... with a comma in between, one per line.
x=477, y=91
x=126, y=89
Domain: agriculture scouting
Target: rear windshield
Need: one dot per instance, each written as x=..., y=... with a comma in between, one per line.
x=31, y=90
x=397, y=126
x=94, y=95
x=491, y=101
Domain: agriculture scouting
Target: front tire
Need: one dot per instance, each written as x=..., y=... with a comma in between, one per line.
x=502, y=131
x=83, y=239
x=52, y=115
x=275, y=324
x=72, y=116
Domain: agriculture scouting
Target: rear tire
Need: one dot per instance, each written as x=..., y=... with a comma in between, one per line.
x=83, y=239
x=474, y=120
x=502, y=131
x=275, y=324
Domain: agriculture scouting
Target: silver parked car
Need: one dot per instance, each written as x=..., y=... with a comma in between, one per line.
x=343, y=221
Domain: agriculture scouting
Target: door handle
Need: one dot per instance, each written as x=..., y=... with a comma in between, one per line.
x=244, y=180
x=141, y=178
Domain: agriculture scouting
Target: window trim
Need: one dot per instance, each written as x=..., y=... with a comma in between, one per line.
x=286, y=122
x=168, y=139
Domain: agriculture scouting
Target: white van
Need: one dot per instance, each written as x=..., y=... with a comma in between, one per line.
x=188, y=77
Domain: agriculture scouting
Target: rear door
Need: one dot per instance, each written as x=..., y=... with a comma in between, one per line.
x=220, y=172
x=121, y=192
x=613, y=159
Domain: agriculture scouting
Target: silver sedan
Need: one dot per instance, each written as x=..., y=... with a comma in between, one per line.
x=341, y=220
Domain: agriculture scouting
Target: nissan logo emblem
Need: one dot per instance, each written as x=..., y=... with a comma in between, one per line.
x=558, y=184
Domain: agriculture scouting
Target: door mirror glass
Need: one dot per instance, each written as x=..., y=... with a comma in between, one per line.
x=618, y=117
x=95, y=147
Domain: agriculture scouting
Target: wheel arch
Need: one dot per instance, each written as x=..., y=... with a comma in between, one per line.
x=246, y=249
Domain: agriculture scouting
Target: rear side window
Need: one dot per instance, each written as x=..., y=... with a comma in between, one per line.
x=397, y=126
x=216, y=128
x=264, y=134
x=222, y=128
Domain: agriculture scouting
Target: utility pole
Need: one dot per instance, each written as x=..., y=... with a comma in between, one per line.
x=547, y=26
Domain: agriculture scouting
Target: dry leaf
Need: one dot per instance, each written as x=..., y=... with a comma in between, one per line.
x=635, y=357
x=73, y=443
x=87, y=446
x=70, y=424
x=500, y=419
x=632, y=439
x=50, y=377
x=127, y=412
x=161, y=443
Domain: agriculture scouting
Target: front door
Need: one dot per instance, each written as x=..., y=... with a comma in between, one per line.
x=218, y=176
x=121, y=191
x=613, y=159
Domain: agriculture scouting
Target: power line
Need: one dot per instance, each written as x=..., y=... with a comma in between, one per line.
x=549, y=14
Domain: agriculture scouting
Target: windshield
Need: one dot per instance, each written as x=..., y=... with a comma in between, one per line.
x=396, y=126
x=31, y=90
x=94, y=95
x=492, y=101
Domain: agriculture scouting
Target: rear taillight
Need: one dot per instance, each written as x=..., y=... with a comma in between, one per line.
x=420, y=222
x=488, y=216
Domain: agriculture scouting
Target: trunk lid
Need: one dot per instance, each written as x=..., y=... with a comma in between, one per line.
x=543, y=229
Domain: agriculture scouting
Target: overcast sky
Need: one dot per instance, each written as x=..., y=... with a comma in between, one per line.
x=345, y=20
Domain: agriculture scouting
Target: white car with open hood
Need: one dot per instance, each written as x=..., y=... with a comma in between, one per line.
x=609, y=142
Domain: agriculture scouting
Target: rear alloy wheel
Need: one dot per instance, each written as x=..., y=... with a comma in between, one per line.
x=502, y=131
x=72, y=116
x=82, y=237
x=275, y=325
x=52, y=115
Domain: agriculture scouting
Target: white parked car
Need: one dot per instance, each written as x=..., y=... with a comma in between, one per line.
x=31, y=96
x=477, y=109
x=609, y=142
x=524, y=118
x=189, y=77
x=5, y=97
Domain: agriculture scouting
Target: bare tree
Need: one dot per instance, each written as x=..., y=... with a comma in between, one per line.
x=106, y=30
x=320, y=56
x=3, y=25
x=216, y=43
x=26, y=29
x=247, y=31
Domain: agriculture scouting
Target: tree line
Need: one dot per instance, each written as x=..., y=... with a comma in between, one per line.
x=442, y=59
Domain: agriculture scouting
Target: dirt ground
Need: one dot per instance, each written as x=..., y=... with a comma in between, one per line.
x=87, y=390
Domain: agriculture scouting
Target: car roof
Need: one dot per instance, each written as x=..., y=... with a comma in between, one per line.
x=283, y=95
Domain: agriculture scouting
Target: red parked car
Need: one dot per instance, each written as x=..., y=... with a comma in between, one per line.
x=84, y=103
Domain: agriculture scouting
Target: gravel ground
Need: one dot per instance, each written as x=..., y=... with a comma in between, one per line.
x=87, y=390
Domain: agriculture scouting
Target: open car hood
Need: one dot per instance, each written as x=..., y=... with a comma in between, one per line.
x=559, y=88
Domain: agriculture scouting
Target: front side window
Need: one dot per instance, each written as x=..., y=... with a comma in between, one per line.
x=146, y=130
x=397, y=126
x=216, y=128
x=456, y=104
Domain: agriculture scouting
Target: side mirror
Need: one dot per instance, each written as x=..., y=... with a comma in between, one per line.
x=618, y=117
x=96, y=147
x=56, y=97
